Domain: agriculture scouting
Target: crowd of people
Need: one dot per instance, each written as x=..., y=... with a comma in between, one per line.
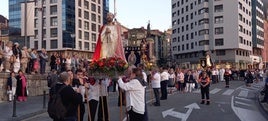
x=14, y=58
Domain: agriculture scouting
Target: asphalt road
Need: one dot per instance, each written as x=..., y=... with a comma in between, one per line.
x=237, y=103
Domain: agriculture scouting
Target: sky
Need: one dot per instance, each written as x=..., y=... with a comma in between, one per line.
x=133, y=13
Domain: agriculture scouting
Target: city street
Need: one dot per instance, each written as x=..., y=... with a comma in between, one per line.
x=237, y=103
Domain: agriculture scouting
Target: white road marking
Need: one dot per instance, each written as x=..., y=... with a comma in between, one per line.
x=228, y=92
x=245, y=114
x=214, y=91
x=243, y=93
x=241, y=103
x=244, y=99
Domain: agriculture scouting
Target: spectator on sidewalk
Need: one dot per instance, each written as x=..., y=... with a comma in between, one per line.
x=43, y=59
x=189, y=79
x=227, y=77
x=53, y=64
x=17, y=54
x=11, y=86
x=7, y=55
x=164, y=78
x=21, y=90
x=24, y=58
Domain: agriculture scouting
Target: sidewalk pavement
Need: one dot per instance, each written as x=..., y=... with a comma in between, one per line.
x=32, y=107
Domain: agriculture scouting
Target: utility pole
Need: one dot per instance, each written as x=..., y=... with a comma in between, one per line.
x=25, y=23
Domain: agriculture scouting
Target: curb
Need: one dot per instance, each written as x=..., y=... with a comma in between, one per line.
x=19, y=118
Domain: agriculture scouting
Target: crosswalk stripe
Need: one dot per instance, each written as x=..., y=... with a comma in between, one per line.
x=228, y=92
x=243, y=93
x=241, y=103
x=244, y=99
x=214, y=91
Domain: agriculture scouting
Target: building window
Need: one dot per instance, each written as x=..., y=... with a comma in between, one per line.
x=80, y=23
x=203, y=42
x=240, y=17
x=53, y=21
x=35, y=34
x=93, y=37
x=53, y=10
x=99, y=19
x=203, y=32
x=93, y=27
x=44, y=44
x=80, y=45
x=35, y=23
x=241, y=39
x=86, y=45
x=44, y=33
x=86, y=4
x=53, y=1
x=219, y=30
x=219, y=42
x=203, y=21
x=86, y=25
x=93, y=17
x=44, y=22
x=220, y=52
x=53, y=44
x=192, y=45
x=79, y=13
x=86, y=35
x=218, y=8
x=36, y=44
x=86, y=15
x=80, y=34
x=218, y=19
x=99, y=9
x=93, y=7
x=93, y=46
x=79, y=3
x=203, y=10
x=53, y=32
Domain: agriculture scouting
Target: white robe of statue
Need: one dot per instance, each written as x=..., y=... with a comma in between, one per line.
x=109, y=41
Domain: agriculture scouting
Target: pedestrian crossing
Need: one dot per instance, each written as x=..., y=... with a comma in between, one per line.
x=243, y=91
x=217, y=90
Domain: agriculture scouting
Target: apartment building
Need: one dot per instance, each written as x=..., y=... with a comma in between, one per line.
x=221, y=27
x=65, y=25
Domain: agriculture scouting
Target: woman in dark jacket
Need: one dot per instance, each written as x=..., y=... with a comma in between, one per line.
x=21, y=90
x=53, y=61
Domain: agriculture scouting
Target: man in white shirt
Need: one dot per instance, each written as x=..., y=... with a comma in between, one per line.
x=135, y=95
x=156, y=79
x=164, y=78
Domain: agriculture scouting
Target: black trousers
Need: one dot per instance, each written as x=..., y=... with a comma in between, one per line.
x=103, y=104
x=227, y=80
x=163, y=89
x=93, y=104
x=133, y=116
x=156, y=95
x=82, y=111
x=205, y=92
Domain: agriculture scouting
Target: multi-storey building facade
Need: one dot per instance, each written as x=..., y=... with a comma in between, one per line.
x=62, y=25
x=200, y=26
x=257, y=32
x=265, y=50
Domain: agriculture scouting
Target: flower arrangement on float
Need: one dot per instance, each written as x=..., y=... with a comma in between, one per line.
x=108, y=67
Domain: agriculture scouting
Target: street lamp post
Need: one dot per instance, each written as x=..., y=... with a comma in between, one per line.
x=73, y=41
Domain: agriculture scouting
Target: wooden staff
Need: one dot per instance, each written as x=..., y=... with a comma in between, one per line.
x=102, y=105
x=121, y=104
x=78, y=114
x=151, y=93
x=88, y=106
